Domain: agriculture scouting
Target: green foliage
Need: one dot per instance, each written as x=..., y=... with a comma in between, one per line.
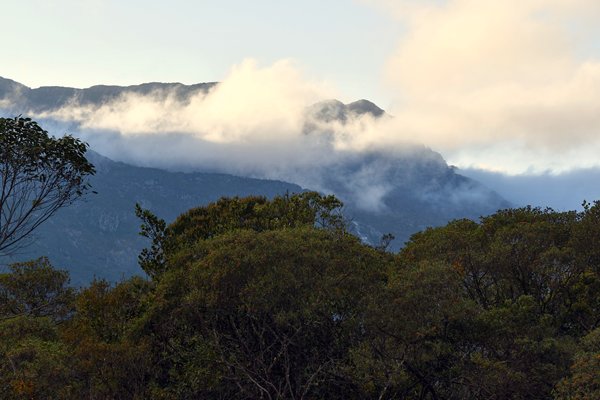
x=583, y=383
x=152, y=260
x=273, y=312
x=35, y=288
x=108, y=363
x=39, y=174
x=107, y=312
x=534, y=291
x=258, y=214
x=519, y=354
x=34, y=298
x=514, y=253
x=417, y=327
x=33, y=363
x=587, y=233
x=255, y=298
x=228, y=214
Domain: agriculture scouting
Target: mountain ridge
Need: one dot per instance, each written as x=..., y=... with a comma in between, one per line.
x=46, y=98
x=385, y=191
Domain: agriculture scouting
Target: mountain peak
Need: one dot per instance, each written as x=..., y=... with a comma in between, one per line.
x=335, y=110
x=363, y=106
x=9, y=87
x=47, y=98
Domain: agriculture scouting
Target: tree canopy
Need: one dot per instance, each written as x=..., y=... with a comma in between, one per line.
x=255, y=213
x=254, y=298
x=39, y=174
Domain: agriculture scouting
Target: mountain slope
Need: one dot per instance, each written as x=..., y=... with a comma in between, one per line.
x=99, y=235
x=398, y=191
x=19, y=98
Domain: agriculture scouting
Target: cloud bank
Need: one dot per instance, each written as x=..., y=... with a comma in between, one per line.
x=562, y=192
x=509, y=86
x=505, y=85
x=253, y=117
x=266, y=122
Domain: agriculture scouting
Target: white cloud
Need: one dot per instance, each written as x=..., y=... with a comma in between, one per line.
x=483, y=80
x=248, y=104
x=252, y=124
x=510, y=86
x=514, y=85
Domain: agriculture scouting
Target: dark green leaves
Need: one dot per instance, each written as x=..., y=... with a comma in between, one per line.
x=39, y=174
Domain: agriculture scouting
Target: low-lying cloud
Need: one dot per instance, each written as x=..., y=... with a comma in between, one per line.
x=509, y=85
x=251, y=120
x=563, y=191
x=504, y=86
x=512, y=86
x=248, y=104
x=264, y=122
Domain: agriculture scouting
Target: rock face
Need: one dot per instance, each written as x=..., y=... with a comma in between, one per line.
x=385, y=191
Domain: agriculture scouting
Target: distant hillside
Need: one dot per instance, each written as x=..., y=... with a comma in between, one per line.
x=403, y=193
x=47, y=98
x=99, y=236
x=384, y=191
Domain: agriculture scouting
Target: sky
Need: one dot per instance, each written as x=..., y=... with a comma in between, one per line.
x=79, y=43
x=508, y=88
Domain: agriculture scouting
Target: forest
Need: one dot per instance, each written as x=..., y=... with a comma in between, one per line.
x=250, y=298
x=257, y=298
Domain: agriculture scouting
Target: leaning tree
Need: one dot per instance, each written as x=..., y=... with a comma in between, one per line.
x=39, y=174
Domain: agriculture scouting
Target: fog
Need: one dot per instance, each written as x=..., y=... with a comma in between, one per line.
x=562, y=192
x=510, y=87
x=261, y=121
x=507, y=85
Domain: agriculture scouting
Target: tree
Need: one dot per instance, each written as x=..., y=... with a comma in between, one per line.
x=35, y=289
x=39, y=175
x=268, y=314
x=34, y=363
x=255, y=213
x=415, y=327
x=108, y=364
x=533, y=292
x=35, y=300
x=584, y=380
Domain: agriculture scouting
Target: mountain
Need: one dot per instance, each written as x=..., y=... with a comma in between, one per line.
x=403, y=193
x=397, y=191
x=19, y=98
x=98, y=237
x=335, y=110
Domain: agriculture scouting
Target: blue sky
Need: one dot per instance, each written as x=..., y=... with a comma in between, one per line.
x=85, y=42
x=509, y=86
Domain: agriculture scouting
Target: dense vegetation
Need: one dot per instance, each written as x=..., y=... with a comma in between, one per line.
x=249, y=298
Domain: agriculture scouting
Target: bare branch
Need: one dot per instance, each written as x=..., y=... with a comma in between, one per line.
x=39, y=175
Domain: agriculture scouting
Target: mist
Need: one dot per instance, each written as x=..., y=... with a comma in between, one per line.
x=286, y=133
x=512, y=86
x=562, y=192
x=264, y=122
x=507, y=91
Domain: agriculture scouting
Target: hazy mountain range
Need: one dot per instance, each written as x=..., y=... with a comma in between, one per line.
x=20, y=97
x=398, y=192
